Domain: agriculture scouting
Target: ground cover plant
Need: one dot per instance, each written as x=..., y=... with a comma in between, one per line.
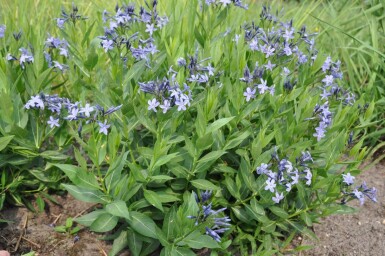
x=188, y=127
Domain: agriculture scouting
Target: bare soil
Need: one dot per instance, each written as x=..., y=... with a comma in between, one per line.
x=359, y=234
x=362, y=233
x=29, y=231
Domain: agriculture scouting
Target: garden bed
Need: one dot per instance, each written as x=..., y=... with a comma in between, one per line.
x=361, y=233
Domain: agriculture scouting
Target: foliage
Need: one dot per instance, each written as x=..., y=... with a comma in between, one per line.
x=213, y=112
x=67, y=228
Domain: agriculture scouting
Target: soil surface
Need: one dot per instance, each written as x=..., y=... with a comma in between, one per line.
x=362, y=233
x=29, y=231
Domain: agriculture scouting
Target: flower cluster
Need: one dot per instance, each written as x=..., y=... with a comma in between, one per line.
x=64, y=109
x=282, y=46
x=237, y=3
x=168, y=93
x=279, y=45
x=207, y=216
x=255, y=81
x=2, y=30
x=26, y=57
x=119, y=33
x=359, y=192
x=73, y=17
x=330, y=89
x=281, y=41
x=53, y=44
x=198, y=72
x=325, y=117
x=286, y=175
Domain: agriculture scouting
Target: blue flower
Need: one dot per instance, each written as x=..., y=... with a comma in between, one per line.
x=152, y=104
x=61, y=67
x=35, y=102
x=289, y=34
x=328, y=80
x=73, y=114
x=181, y=62
x=269, y=66
x=254, y=45
x=87, y=110
x=370, y=193
x=150, y=28
x=60, y=22
x=225, y=2
x=262, y=87
x=107, y=45
x=326, y=65
x=269, y=51
x=26, y=57
x=213, y=234
x=63, y=51
x=249, y=93
x=53, y=122
x=263, y=169
x=348, y=179
x=2, y=30
x=270, y=185
x=359, y=195
x=278, y=197
x=103, y=127
x=205, y=196
x=308, y=176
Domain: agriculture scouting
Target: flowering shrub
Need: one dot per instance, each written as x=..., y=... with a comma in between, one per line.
x=233, y=139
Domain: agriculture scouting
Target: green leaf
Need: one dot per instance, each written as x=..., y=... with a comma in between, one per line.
x=88, y=219
x=53, y=155
x=74, y=230
x=105, y=222
x=70, y=170
x=135, y=243
x=242, y=215
x=307, y=219
x=170, y=223
x=204, y=184
x=232, y=187
x=161, y=178
x=202, y=241
x=86, y=195
x=69, y=222
x=165, y=159
x=257, y=207
x=279, y=212
x=4, y=141
x=218, y=124
x=153, y=199
x=142, y=224
x=205, y=162
x=118, y=208
x=119, y=243
x=113, y=174
x=161, y=237
x=60, y=229
x=269, y=227
x=40, y=204
x=133, y=190
x=181, y=251
x=236, y=139
x=204, y=142
x=255, y=215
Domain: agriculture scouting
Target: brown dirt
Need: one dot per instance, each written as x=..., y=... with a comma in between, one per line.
x=362, y=233
x=41, y=237
x=359, y=234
